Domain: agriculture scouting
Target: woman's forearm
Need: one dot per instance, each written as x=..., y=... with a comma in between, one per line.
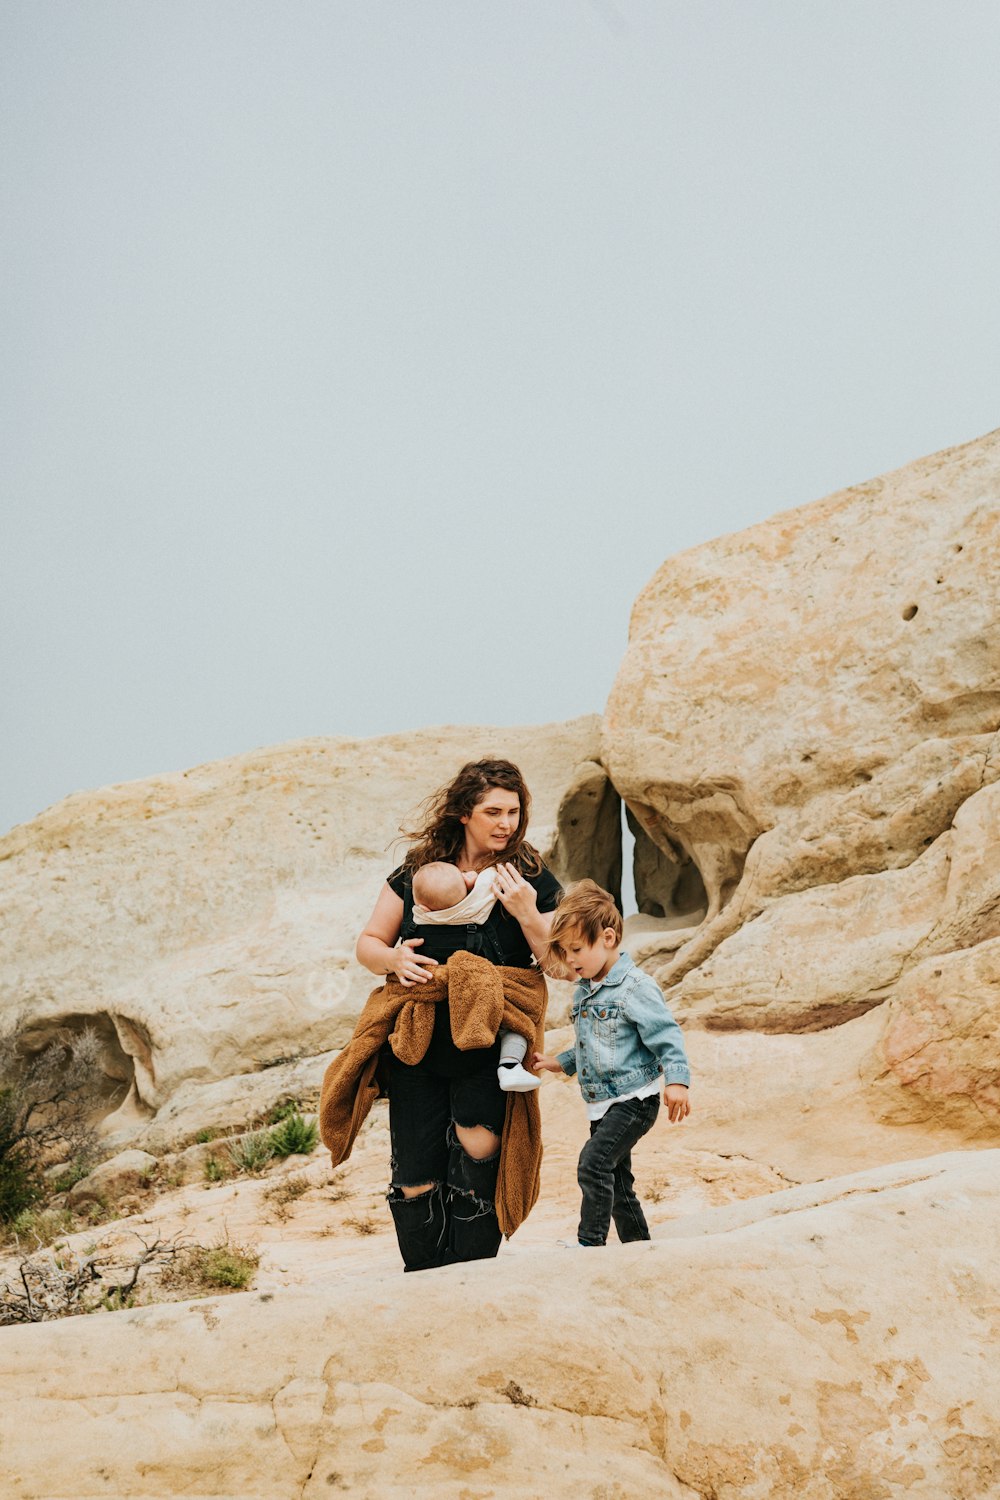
x=375, y=954
x=536, y=930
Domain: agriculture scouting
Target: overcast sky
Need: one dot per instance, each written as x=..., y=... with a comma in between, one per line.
x=361, y=361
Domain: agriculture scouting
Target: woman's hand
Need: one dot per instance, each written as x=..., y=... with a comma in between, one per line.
x=409, y=966
x=515, y=893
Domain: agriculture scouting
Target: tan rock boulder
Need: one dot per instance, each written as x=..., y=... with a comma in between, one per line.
x=204, y=922
x=938, y=1058
x=819, y=957
x=923, y=938
x=970, y=910
x=813, y=699
x=127, y=1172
x=821, y=1342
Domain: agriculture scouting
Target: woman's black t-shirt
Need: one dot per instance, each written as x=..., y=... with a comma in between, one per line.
x=500, y=939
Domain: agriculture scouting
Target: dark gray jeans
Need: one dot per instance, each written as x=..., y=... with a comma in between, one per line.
x=605, y=1173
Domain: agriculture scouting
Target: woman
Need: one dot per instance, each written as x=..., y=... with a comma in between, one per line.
x=446, y=1109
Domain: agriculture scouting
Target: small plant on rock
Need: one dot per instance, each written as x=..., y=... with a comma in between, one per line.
x=224, y=1265
x=285, y=1191
x=251, y=1153
x=35, y=1228
x=295, y=1136
x=230, y=1266
x=364, y=1224
x=73, y=1172
x=282, y=1110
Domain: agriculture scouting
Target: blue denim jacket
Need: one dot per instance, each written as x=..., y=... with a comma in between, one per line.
x=625, y=1035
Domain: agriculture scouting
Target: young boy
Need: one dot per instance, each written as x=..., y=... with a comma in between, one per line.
x=625, y=1038
x=445, y=897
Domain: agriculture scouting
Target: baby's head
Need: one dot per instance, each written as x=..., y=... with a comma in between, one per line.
x=438, y=885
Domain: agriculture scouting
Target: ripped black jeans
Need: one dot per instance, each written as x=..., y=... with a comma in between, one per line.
x=456, y=1220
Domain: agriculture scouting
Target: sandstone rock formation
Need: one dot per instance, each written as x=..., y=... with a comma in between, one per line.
x=815, y=698
x=112, y=1179
x=204, y=922
x=806, y=730
x=814, y=1344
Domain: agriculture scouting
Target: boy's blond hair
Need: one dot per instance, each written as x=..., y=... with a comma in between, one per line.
x=587, y=909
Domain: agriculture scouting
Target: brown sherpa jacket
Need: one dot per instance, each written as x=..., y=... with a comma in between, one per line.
x=481, y=997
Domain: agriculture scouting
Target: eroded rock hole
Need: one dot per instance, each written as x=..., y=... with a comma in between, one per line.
x=909, y=611
x=115, y=1083
x=668, y=883
x=588, y=840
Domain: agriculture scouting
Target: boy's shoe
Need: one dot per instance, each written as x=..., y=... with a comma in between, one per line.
x=516, y=1079
x=570, y=1245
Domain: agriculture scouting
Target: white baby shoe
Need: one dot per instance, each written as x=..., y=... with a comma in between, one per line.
x=517, y=1079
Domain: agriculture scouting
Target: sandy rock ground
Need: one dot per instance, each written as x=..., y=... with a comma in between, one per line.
x=752, y=1132
x=821, y=1342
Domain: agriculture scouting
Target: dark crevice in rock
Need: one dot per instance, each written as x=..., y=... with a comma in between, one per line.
x=668, y=883
x=795, y=1022
x=588, y=840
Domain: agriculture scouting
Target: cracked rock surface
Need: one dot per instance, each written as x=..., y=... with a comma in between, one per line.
x=807, y=718
x=819, y=1342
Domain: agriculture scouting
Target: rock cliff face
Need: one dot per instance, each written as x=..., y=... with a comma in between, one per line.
x=815, y=698
x=805, y=730
x=204, y=922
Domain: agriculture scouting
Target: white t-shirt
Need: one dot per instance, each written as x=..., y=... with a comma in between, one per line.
x=599, y=1110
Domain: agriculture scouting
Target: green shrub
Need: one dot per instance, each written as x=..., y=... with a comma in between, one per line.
x=72, y=1173
x=282, y=1110
x=227, y=1266
x=21, y=1183
x=204, y=1136
x=251, y=1153
x=295, y=1136
x=215, y=1171
x=38, y=1227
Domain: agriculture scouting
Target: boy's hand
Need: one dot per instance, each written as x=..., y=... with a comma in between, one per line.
x=470, y=877
x=675, y=1102
x=542, y=1063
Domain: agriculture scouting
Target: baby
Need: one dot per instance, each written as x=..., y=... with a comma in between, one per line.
x=443, y=896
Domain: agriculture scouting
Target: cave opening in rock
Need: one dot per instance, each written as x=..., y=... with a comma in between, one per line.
x=115, y=1080
x=599, y=836
x=668, y=883
x=588, y=841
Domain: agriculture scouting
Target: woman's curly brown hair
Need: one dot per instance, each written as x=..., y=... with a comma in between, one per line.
x=441, y=834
